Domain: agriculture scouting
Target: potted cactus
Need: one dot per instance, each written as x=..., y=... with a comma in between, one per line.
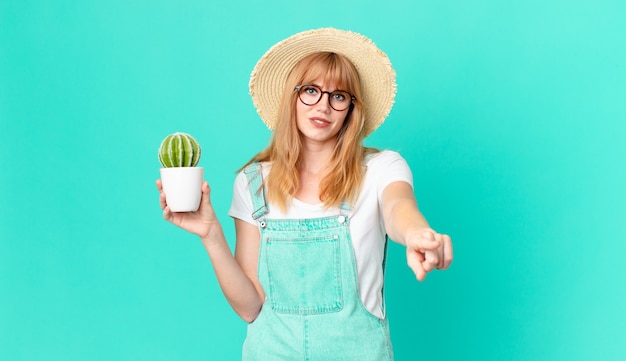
x=179, y=154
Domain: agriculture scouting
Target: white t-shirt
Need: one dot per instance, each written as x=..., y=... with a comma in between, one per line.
x=367, y=227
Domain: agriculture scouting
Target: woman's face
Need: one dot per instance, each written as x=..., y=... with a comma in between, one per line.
x=320, y=123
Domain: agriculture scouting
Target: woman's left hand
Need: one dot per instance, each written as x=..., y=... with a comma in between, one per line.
x=427, y=250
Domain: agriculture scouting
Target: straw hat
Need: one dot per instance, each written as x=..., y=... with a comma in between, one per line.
x=378, y=79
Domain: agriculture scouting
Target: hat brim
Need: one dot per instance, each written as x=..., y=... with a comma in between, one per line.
x=378, y=78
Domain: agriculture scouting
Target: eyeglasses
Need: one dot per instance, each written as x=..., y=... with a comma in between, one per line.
x=310, y=94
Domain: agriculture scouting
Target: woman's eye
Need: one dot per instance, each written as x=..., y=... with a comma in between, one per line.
x=311, y=90
x=339, y=96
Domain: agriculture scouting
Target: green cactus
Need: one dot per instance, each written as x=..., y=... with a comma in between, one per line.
x=179, y=150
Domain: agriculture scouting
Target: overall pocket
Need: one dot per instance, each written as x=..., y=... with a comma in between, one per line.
x=304, y=275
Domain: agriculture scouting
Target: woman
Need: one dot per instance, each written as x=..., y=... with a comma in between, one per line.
x=312, y=211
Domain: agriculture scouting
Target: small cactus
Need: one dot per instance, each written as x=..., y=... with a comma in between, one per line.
x=179, y=150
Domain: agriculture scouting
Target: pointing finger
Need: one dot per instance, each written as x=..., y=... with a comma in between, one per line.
x=414, y=261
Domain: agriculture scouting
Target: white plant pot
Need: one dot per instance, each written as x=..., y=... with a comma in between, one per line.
x=182, y=187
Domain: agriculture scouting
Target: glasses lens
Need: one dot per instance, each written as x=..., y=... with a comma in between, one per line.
x=310, y=94
x=340, y=100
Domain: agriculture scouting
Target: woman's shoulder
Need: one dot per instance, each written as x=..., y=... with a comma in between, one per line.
x=384, y=168
x=253, y=167
x=382, y=157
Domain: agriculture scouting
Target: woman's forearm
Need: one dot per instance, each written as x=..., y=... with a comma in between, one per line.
x=405, y=219
x=239, y=290
x=400, y=212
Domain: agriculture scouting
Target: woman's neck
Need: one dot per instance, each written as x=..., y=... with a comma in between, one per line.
x=314, y=159
x=312, y=169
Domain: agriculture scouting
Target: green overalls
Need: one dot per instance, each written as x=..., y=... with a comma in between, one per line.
x=313, y=310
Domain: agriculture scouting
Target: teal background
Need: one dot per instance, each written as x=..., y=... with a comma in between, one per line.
x=511, y=114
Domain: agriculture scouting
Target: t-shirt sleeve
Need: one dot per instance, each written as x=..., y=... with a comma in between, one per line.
x=241, y=206
x=390, y=167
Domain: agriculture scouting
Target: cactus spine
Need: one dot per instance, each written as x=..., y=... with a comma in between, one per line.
x=179, y=150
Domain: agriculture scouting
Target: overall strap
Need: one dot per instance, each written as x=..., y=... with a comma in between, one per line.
x=345, y=209
x=257, y=192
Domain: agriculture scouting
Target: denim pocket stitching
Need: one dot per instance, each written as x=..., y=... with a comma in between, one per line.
x=313, y=304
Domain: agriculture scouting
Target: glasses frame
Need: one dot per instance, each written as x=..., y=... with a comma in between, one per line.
x=322, y=92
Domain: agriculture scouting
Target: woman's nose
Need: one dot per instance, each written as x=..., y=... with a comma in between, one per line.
x=324, y=104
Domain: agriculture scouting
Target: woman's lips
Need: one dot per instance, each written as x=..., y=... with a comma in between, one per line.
x=319, y=122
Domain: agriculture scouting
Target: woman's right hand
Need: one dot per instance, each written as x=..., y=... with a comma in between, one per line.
x=201, y=222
